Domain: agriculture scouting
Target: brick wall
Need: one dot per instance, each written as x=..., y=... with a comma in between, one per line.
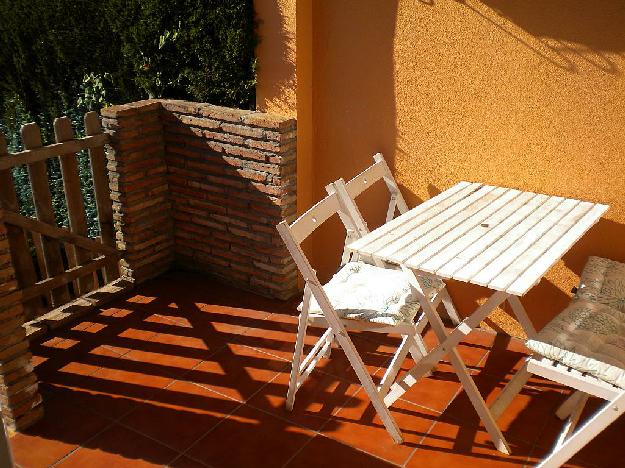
x=19, y=395
x=210, y=183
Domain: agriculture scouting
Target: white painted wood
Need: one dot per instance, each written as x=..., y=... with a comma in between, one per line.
x=595, y=387
x=512, y=251
x=417, y=283
x=591, y=429
x=302, y=323
x=450, y=308
x=303, y=226
x=465, y=221
x=529, y=255
x=390, y=248
x=533, y=274
x=572, y=421
x=391, y=372
x=366, y=244
x=511, y=390
x=566, y=408
x=485, y=236
x=366, y=179
x=436, y=354
x=455, y=249
x=521, y=315
x=503, y=239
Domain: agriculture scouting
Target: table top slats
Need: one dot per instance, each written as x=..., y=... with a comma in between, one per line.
x=452, y=254
x=413, y=237
x=506, y=257
x=529, y=255
x=403, y=225
x=535, y=272
x=419, y=251
x=496, y=237
x=502, y=242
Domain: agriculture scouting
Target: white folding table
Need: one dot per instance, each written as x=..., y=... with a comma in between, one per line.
x=500, y=238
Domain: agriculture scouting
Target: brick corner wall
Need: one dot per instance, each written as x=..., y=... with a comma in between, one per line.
x=202, y=187
x=20, y=399
x=139, y=189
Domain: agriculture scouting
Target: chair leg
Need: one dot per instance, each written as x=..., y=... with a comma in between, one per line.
x=591, y=429
x=394, y=366
x=302, y=325
x=566, y=409
x=452, y=313
x=511, y=390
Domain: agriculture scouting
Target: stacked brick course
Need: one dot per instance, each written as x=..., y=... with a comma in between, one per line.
x=223, y=178
x=139, y=190
x=19, y=395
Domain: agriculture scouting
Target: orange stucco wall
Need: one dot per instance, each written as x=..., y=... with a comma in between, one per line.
x=527, y=94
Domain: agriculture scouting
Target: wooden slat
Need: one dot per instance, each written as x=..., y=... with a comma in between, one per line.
x=97, y=159
x=542, y=243
x=454, y=251
x=488, y=236
x=513, y=251
x=413, y=240
x=363, y=181
x=36, y=154
x=533, y=274
x=505, y=239
x=42, y=199
x=59, y=234
x=25, y=272
x=453, y=227
x=63, y=131
x=303, y=226
x=396, y=229
x=42, y=287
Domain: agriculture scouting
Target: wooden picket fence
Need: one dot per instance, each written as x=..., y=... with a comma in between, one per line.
x=65, y=264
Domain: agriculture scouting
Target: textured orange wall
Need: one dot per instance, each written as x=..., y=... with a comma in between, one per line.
x=527, y=94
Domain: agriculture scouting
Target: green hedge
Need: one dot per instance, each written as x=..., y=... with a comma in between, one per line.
x=66, y=57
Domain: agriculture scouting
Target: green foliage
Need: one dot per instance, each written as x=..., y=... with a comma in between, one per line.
x=66, y=57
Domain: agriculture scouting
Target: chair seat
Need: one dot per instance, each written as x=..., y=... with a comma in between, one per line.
x=587, y=336
x=359, y=291
x=603, y=281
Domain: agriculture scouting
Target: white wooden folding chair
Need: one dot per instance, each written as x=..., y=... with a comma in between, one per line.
x=583, y=348
x=379, y=170
x=361, y=297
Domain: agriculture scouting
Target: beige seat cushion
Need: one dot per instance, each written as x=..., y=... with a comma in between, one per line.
x=587, y=336
x=359, y=291
x=603, y=281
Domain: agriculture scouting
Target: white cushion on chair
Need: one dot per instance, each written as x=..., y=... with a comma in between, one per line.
x=359, y=291
x=586, y=336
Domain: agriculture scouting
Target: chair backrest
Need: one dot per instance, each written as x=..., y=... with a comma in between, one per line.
x=295, y=233
x=379, y=170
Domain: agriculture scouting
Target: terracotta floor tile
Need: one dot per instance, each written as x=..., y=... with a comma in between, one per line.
x=319, y=396
x=357, y=424
x=601, y=451
x=180, y=414
x=236, y=371
x=434, y=391
x=119, y=446
x=64, y=427
x=323, y=451
x=250, y=437
x=168, y=363
x=505, y=358
x=186, y=462
x=523, y=419
x=450, y=444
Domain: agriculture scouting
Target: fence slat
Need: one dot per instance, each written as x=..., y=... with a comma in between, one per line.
x=42, y=199
x=102, y=192
x=22, y=259
x=63, y=131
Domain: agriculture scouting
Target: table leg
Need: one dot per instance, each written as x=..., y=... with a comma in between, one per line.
x=522, y=317
x=459, y=367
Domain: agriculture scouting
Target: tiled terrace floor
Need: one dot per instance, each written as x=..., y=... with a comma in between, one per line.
x=186, y=372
